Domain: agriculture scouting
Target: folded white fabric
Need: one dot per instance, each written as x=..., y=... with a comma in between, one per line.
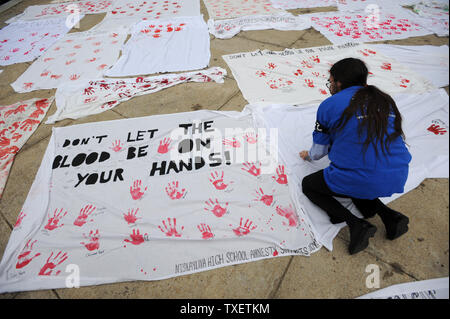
x=368, y=26
x=169, y=45
x=24, y=41
x=430, y=61
x=156, y=9
x=18, y=122
x=227, y=9
x=426, y=127
x=95, y=96
x=59, y=10
x=75, y=57
x=225, y=29
x=295, y=4
x=299, y=76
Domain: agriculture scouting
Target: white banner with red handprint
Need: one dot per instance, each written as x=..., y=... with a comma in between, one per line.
x=220, y=9
x=17, y=123
x=27, y=40
x=299, y=76
x=154, y=197
x=225, y=29
x=377, y=24
x=156, y=9
x=295, y=4
x=92, y=97
x=166, y=45
x=425, y=124
x=75, y=57
x=63, y=10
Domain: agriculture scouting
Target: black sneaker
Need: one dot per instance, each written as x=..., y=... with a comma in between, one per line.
x=396, y=224
x=360, y=232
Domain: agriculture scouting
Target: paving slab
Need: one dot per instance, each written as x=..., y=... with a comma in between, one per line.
x=336, y=274
x=250, y=280
x=423, y=252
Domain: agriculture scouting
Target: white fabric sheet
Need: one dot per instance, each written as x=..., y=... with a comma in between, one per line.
x=61, y=10
x=434, y=18
x=227, y=9
x=225, y=29
x=369, y=5
x=75, y=57
x=156, y=9
x=17, y=123
x=362, y=26
x=25, y=41
x=299, y=76
x=170, y=45
x=426, y=127
x=92, y=97
x=117, y=24
x=142, y=225
x=424, y=289
x=295, y=4
x=430, y=61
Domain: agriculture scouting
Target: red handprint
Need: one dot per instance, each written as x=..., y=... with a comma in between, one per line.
x=315, y=58
x=298, y=72
x=89, y=90
x=164, y=145
x=172, y=229
x=173, y=192
x=19, y=109
x=55, y=76
x=251, y=138
x=101, y=66
x=20, y=218
x=266, y=199
x=404, y=82
x=27, y=125
x=53, y=221
x=135, y=191
x=307, y=64
x=261, y=74
x=51, y=264
x=93, y=239
x=244, y=230
x=288, y=213
x=117, y=146
x=28, y=85
x=271, y=66
x=252, y=169
x=309, y=83
x=216, y=208
x=217, y=181
x=25, y=258
x=131, y=218
x=74, y=77
x=83, y=215
x=386, y=66
x=436, y=129
x=281, y=178
x=136, y=238
x=233, y=142
x=206, y=231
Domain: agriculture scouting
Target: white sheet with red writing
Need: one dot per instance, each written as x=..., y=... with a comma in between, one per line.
x=166, y=45
x=227, y=28
x=425, y=124
x=61, y=10
x=433, y=17
x=75, y=57
x=114, y=199
x=24, y=41
x=17, y=123
x=156, y=9
x=362, y=26
x=299, y=76
x=95, y=96
x=295, y=4
x=220, y=9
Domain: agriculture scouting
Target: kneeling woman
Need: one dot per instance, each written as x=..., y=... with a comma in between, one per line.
x=360, y=128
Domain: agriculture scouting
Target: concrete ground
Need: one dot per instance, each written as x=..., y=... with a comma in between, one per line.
x=420, y=254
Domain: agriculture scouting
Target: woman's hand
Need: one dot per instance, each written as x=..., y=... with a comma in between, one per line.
x=304, y=155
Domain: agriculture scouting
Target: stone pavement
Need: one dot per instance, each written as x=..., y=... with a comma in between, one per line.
x=419, y=255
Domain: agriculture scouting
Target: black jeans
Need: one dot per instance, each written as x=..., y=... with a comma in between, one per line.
x=316, y=189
